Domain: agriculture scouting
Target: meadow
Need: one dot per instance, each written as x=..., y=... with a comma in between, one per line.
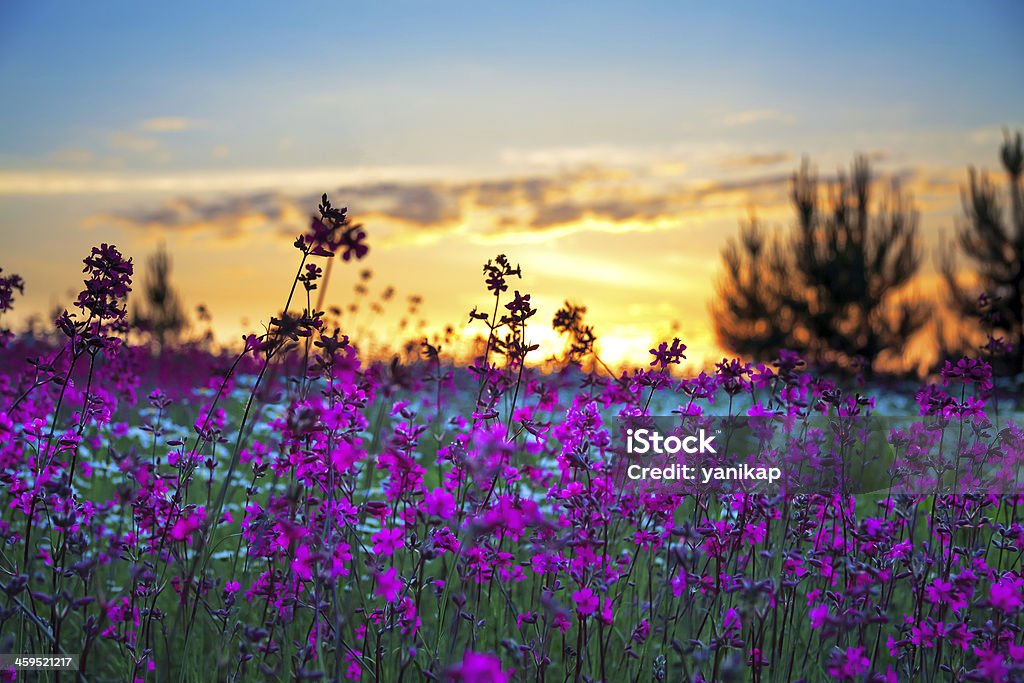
x=290, y=510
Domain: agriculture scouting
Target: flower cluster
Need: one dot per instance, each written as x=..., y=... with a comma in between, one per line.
x=296, y=511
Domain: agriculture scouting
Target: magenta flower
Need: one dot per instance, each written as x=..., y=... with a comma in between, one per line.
x=340, y=556
x=991, y=665
x=387, y=541
x=753, y=534
x=479, y=668
x=818, y=615
x=187, y=525
x=961, y=636
x=758, y=410
x=944, y=592
x=389, y=584
x=525, y=618
x=606, y=616
x=731, y=621
x=679, y=583
x=586, y=601
x=849, y=665
x=302, y=565
x=1006, y=594
x=438, y=503
x=335, y=232
x=499, y=490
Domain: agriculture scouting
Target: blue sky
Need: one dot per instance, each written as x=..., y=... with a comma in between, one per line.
x=451, y=82
x=114, y=110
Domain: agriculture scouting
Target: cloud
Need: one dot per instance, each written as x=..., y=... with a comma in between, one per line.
x=227, y=218
x=934, y=189
x=755, y=116
x=557, y=214
x=604, y=155
x=486, y=209
x=756, y=160
x=419, y=205
x=511, y=191
x=133, y=142
x=148, y=144
x=406, y=210
x=74, y=156
x=168, y=124
x=668, y=206
x=989, y=136
x=55, y=182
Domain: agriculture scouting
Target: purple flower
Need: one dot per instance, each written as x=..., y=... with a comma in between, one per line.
x=666, y=355
x=186, y=525
x=387, y=541
x=849, y=665
x=817, y=616
x=478, y=668
x=303, y=563
x=1006, y=593
x=333, y=231
x=389, y=584
x=586, y=601
x=438, y=503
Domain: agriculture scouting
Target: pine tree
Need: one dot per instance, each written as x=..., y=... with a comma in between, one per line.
x=993, y=242
x=753, y=310
x=161, y=314
x=830, y=288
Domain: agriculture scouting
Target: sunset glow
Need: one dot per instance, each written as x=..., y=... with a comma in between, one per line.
x=612, y=158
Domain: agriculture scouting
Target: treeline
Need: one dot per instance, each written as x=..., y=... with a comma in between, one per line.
x=833, y=287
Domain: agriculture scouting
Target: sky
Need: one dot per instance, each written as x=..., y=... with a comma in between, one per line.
x=610, y=149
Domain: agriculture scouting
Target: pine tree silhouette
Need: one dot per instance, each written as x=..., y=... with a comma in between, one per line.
x=161, y=314
x=830, y=288
x=753, y=312
x=994, y=244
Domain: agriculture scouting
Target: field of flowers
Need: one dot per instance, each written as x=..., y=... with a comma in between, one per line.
x=293, y=512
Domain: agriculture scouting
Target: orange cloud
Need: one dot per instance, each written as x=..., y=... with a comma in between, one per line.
x=756, y=160
x=413, y=211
